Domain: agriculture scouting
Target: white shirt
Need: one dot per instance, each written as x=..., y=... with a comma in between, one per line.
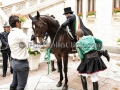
x=16, y=39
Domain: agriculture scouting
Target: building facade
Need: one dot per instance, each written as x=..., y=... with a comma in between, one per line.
x=97, y=15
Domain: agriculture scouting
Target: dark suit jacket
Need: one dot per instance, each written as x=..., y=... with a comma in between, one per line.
x=71, y=24
x=4, y=41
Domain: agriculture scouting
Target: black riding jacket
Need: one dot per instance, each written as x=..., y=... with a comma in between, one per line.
x=70, y=22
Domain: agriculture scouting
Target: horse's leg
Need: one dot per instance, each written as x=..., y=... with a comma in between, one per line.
x=59, y=61
x=65, y=60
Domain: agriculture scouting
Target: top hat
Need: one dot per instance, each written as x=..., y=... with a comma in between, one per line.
x=6, y=24
x=67, y=10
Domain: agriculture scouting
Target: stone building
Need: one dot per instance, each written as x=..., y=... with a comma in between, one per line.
x=103, y=22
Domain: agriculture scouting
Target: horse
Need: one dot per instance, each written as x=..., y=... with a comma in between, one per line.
x=61, y=44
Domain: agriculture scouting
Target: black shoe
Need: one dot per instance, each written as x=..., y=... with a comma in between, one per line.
x=4, y=75
x=12, y=88
x=106, y=55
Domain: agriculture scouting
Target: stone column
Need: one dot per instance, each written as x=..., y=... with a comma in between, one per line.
x=104, y=20
x=84, y=11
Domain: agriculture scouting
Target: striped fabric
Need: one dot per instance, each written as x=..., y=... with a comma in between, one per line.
x=77, y=23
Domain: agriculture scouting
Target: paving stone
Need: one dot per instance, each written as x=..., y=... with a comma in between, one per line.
x=40, y=80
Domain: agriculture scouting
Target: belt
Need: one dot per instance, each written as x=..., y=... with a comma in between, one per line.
x=17, y=59
x=91, y=54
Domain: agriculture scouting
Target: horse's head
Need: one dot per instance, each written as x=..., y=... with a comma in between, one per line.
x=39, y=27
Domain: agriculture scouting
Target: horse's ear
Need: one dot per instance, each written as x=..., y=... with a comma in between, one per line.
x=30, y=16
x=38, y=15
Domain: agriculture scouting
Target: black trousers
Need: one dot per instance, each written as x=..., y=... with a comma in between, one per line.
x=5, y=57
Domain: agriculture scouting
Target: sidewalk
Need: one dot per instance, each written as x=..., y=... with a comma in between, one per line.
x=39, y=80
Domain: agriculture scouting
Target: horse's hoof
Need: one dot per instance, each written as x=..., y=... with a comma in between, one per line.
x=65, y=87
x=59, y=84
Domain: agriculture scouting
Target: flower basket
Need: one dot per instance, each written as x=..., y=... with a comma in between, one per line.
x=80, y=14
x=34, y=58
x=91, y=13
x=116, y=10
x=22, y=18
x=34, y=61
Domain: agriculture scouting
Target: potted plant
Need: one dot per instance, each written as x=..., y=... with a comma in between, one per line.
x=91, y=13
x=116, y=10
x=80, y=14
x=22, y=18
x=34, y=58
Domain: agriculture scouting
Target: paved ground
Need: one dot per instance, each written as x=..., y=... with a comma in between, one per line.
x=39, y=80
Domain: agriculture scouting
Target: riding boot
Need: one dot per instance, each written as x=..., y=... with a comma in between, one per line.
x=12, y=88
x=105, y=54
x=4, y=73
x=52, y=66
x=58, y=67
x=84, y=82
x=95, y=85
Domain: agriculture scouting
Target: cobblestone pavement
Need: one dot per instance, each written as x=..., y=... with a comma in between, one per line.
x=39, y=80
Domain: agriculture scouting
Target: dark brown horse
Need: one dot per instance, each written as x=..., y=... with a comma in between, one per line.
x=61, y=44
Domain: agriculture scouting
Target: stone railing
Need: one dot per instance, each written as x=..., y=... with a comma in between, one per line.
x=40, y=7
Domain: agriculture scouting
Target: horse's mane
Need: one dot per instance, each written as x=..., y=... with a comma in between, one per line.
x=50, y=18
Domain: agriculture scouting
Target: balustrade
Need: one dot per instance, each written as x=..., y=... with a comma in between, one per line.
x=25, y=7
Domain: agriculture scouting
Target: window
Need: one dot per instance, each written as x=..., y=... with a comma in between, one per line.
x=116, y=3
x=91, y=7
x=116, y=6
x=79, y=6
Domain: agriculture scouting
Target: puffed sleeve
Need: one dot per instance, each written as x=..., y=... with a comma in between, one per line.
x=78, y=48
x=98, y=43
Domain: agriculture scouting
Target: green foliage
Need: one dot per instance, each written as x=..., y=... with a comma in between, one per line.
x=80, y=14
x=118, y=40
x=34, y=52
x=91, y=13
x=22, y=19
x=115, y=10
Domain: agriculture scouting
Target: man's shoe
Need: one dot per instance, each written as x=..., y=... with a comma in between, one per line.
x=106, y=55
x=4, y=75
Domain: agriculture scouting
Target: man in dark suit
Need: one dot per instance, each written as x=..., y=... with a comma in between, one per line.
x=71, y=23
x=5, y=50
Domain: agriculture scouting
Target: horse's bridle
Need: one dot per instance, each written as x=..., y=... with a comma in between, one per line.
x=42, y=29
